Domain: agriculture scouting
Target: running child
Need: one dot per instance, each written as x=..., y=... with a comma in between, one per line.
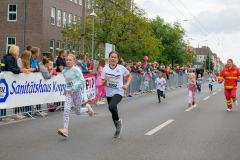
x=112, y=77
x=211, y=80
x=161, y=82
x=101, y=88
x=191, y=89
x=74, y=80
x=199, y=83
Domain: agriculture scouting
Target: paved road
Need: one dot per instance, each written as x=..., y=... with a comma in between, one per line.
x=206, y=132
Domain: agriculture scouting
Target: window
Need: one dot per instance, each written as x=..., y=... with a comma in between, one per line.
x=75, y=1
x=89, y=4
x=52, y=46
x=57, y=48
x=64, y=19
x=69, y=47
x=59, y=18
x=12, y=12
x=70, y=19
x=73, y=51
x=80, y=2
x=53, y=16
x=11, y=41
x=63, y=45
x=75, y=20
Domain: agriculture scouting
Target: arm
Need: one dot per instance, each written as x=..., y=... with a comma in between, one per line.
x=80, y=79
x=104, y=78
x=60, y=68
x=128, y=82
x=10, y=67
x=221, y=76
x=84, y=70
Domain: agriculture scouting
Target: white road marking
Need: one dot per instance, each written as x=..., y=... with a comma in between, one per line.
x=219, y=89
x=190, y=108
x=206, y=98
x=215, y=93
x=159, y=127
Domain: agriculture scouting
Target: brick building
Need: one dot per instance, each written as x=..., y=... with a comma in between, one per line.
x=37, y=22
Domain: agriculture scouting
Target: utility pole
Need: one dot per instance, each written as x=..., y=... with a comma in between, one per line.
x=83, y=27
x=209, y=61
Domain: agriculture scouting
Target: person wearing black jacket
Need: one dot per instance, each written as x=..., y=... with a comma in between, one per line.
x=11, y=61
x=134, y=68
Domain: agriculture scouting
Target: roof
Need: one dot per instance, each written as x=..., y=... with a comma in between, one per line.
x=203, y=51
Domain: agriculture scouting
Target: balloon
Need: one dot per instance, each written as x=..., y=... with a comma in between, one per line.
x=146, y=58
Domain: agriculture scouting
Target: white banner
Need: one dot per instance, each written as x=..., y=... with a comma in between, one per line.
x=17, y=90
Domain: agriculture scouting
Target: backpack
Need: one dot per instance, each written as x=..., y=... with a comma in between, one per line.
x=3, y=61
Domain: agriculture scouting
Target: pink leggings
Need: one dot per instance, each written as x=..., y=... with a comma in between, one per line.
x=101, y=91
x=191, y=95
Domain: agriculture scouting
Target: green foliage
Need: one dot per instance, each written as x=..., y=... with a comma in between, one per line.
x=207, y=63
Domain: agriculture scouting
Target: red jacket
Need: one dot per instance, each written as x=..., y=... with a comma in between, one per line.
x=166, y=71
x=230, y=76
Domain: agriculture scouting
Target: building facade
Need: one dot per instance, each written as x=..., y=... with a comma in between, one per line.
x=37, y=22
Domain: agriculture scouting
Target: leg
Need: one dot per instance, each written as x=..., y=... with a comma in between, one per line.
x=112, y=102
x=190, y=97
x=233, y=94
x=159, y=94
x=193, y=96
x=200, y=88
x=99, y=92
x=103, y=92
x=228, y=98
x=77, y=98
x=211, y=87
x=67, y=107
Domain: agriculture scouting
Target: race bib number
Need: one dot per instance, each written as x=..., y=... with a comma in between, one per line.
x=69, y=83
x=159, y=83
x=113, y=84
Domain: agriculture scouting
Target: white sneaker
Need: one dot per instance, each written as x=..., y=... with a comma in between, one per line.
x=229, y=110
x=90, y=110
x=235, y=103
x=97, y=103
x=63, y=132
x=101, y=102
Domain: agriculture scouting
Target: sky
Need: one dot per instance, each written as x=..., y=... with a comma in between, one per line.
x=217, y=21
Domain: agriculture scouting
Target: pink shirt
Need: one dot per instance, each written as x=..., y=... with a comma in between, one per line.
x=99, y=80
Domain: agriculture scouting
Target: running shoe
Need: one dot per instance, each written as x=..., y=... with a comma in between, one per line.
x=235, y=103
x=159, y=102
x=63, y=132
x=97, y=103
x=229, y=110
x=164, y=96
x=90, y=110
x=119, y=127
x=193, y=102
x=101, y=102
x=189, y=105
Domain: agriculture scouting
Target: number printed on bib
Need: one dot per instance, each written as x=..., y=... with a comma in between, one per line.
x=112, y=84
x=159, y=83
x=69, y=83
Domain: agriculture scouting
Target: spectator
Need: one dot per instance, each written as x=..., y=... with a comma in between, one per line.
x=177, y=70
x=139, y=68
x=121, y=61
x=34, y=61
x=128, y=67
x=44, y=65
x=24, y=61
x=88, y=63
x=134, y=68
x=167, y=72
x=101, y=88
x=81, y=63
x=11, y=61
x=61, y=63
x=50, y=68
x=161, y=69
x=145, y=67
x=92, y=65
x=29, y=47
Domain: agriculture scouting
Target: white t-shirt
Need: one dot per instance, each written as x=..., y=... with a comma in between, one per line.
x=159, y=83
x=115, y=82
x=211, y=80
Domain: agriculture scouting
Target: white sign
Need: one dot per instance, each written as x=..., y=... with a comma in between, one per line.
x=17, y=90
x=108, y=48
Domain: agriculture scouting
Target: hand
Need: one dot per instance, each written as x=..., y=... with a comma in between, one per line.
x=238, y=80
x=72, y=90
x=65, y=93
x=125, y=87
x=162, y=85
x=220, y=82
x=54, y=68
x=106, y=77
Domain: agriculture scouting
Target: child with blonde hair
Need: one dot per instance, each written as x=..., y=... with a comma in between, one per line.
x=191, y=89
x=160, y=82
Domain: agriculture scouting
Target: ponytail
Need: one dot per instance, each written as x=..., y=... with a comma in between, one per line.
x=120, y=61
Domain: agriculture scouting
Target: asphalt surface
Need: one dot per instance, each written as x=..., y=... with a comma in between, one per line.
x=206, y=132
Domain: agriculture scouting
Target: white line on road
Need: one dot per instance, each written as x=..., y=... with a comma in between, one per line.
x=215, y=93
x=159, y=127
x=219, y=89
x=206, y=98
x=190, y=108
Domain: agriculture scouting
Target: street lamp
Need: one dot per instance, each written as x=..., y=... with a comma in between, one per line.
x=198, y=52
x=94, y=15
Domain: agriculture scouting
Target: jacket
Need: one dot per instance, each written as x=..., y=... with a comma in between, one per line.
x=82, y=66
x=11, y=64
x=229, y=76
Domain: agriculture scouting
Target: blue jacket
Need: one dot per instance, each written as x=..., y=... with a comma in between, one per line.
x=11, y=64
x=82, y=66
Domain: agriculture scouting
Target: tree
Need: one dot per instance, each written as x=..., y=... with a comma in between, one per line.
x=190, y=57
x=207, y=63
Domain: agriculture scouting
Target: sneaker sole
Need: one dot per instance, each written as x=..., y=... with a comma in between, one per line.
x=62, y=134
x=90, y=110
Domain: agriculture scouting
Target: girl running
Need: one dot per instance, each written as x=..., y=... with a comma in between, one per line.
x=101, y=88
x=112, y=77
x=74, y=80
x=191, y=89
x=199, y=83
x=161, y=82
x=211, y=80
